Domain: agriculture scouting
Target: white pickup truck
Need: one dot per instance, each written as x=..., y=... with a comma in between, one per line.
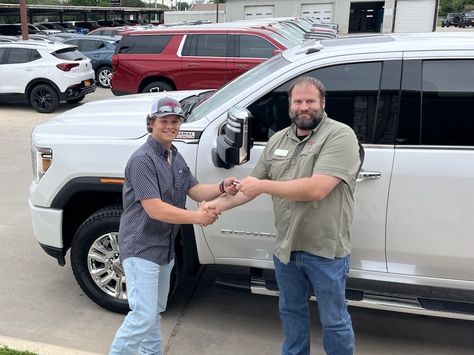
x=409, y=99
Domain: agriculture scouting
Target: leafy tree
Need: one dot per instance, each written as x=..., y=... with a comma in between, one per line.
x=133, y=3
x=182, y=6
x=446, y=6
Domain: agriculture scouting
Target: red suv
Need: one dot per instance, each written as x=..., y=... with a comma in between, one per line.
x=188, y=58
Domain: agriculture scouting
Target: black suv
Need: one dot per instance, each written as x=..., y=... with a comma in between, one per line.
x=468, y=19
x=453, y=19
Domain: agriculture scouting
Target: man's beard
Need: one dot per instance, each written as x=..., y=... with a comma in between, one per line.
x=307, y=125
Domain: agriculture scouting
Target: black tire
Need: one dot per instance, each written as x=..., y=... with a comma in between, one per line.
x=103, y=76
x=157, y=86
x=76, y=100
x=100, y=230
x=97, y=236
x=44, y=98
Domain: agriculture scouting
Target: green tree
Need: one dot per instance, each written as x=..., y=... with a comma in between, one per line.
x=182, y=6
x=446, y=6
x=133, y=3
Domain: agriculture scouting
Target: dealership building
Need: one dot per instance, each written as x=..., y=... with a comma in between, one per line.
x=353, y=16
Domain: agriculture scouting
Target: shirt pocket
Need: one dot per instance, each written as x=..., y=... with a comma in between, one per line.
x=279, y=167
x=306, y=163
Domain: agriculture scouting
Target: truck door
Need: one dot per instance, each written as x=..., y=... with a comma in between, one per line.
x=430, y=224
x=204, y=61
x=363, y=95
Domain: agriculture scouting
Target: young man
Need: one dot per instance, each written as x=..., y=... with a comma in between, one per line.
x=157, y=181
x=310, y=170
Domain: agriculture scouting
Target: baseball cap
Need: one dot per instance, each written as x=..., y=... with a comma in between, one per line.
x=166, y=106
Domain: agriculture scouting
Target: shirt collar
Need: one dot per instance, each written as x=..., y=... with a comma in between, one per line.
x=158, y=147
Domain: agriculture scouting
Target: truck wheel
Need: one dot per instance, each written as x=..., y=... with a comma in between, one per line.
x=95, y=260
x=96, y=264
x=44, y=98
x=158, y=86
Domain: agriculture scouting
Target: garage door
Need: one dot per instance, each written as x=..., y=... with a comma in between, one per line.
x=415, y=15
x=253, y=12
x=322, y=12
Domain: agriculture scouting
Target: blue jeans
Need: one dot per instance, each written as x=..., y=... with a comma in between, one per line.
x=147, y=292
x=327, y=278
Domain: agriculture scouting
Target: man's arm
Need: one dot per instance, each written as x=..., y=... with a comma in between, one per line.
x=206, y=192
x=226, y=202
x=314, y=188
x=162, y=211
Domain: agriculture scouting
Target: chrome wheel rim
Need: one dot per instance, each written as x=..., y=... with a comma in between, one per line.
x=105, y=76
x=105, y=267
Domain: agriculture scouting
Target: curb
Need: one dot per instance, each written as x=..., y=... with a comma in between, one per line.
x=39, y=348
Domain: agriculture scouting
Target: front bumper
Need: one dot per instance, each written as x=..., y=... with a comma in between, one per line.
x=47, y=228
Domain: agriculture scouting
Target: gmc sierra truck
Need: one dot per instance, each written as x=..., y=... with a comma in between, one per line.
x=408, y=98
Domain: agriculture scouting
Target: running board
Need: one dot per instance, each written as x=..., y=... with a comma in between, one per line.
x=356, y=298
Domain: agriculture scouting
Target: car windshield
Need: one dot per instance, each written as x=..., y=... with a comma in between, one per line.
x=236, y=86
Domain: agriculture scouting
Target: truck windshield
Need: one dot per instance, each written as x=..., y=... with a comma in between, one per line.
x=236, y=86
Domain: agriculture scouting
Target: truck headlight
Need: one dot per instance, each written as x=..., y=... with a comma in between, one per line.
x=42, y=159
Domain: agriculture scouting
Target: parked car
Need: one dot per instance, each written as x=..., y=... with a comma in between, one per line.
x=13, y=30
x=89, y=26
x=99, y=49
x=453, y=19
x=44, y=74
x=468, y=19
x=187, y=58
x=108, y=23
x=69, y=26
x=55, y=26
x=405, y=96
x=115, y=32
x=8, y=38
x=40, y=29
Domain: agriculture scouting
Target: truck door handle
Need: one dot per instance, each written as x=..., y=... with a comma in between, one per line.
x=242, y=65
x=193, y=65
x=368, y=175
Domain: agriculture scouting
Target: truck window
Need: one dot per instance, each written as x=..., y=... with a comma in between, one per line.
x=143, y=44
x=205, y=45
x=352, y=97
x=448, y=103
x=254, y=47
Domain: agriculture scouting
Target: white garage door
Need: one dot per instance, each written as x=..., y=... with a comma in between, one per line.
x=253, y=12
x=322, y=12
x=415, y=15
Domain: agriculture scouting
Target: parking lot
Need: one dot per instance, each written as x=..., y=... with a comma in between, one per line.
x=41, y=301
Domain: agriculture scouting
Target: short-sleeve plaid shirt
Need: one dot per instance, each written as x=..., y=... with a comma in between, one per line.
x=149, y=175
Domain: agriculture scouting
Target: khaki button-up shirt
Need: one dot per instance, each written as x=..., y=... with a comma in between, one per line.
x=317, y=227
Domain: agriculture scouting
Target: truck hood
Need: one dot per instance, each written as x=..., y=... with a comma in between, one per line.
x=120, y=117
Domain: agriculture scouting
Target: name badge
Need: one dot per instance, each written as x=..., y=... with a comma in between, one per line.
x=281, y=152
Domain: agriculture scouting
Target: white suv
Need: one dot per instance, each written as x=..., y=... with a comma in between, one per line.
x=44, y=74
x=408, y=98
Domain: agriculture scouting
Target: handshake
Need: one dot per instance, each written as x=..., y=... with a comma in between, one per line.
x=209, y=211
x=248, y=187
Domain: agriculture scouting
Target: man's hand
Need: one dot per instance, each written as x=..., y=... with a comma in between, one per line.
x=250, y=186
x=208, y=213
x=230, y=186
